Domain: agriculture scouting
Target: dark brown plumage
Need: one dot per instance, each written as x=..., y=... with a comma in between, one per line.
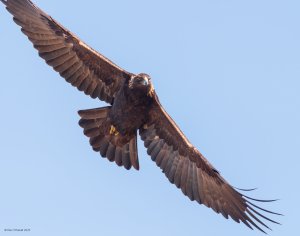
x=134, y=108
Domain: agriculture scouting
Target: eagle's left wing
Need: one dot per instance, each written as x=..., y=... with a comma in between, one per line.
x=188, y=169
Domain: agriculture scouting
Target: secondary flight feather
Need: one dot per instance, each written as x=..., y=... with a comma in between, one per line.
x=134, y=107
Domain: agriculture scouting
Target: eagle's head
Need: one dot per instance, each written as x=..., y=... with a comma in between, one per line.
x=141, y=82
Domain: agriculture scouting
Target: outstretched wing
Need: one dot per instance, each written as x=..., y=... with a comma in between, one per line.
x=79, y=64
x=188, y=169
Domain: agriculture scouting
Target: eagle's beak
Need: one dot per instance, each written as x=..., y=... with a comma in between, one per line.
x=143, y=81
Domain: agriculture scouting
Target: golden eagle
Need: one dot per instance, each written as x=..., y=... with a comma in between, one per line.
x=134, y=107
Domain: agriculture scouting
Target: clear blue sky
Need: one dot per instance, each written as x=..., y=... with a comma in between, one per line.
x=228, y=72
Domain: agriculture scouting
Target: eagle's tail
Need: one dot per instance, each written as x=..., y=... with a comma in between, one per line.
x=105, y=139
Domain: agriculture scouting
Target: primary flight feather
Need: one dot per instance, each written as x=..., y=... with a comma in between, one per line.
x=134, y=107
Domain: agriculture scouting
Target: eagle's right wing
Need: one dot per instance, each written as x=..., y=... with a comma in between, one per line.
x=79, y=64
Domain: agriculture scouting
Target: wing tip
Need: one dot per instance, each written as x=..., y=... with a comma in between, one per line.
x=252, y=216
x=255, y=215
x=244, y=189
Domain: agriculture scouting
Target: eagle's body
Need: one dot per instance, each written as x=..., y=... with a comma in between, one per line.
x=134, y=108
x=129, y=109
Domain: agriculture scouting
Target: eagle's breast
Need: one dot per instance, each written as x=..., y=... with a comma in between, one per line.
x=130, y=109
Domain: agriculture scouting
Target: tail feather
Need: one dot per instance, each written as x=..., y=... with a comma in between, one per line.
x=116, y=148
x=133, y=153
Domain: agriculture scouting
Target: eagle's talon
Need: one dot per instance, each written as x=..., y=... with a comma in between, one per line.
x=113, y=130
